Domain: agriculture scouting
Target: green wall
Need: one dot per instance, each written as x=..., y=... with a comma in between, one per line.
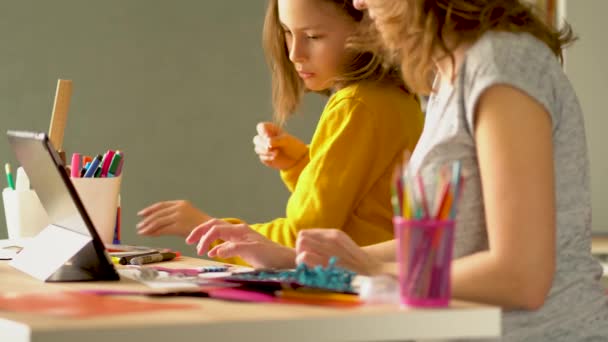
x=177, y=85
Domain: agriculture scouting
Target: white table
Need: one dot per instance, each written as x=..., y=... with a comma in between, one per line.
x=215, y=320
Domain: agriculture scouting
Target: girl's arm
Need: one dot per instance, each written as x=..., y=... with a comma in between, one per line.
x=290, y=176
x=337, y=175
x=383, y=252
x=513, y=135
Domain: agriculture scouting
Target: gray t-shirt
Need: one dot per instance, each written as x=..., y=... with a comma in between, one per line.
x=577, y=308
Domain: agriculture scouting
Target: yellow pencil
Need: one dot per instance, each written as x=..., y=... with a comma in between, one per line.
x=407, y=208
x=319, y=296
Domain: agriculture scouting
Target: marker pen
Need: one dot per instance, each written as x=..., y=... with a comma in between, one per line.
x=93, y=167
x=147, y=259
x=125, y=260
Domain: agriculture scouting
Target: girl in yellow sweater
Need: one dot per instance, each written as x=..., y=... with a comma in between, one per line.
x=342, y=179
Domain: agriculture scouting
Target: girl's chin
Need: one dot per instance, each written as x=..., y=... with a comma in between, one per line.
x=316, y=86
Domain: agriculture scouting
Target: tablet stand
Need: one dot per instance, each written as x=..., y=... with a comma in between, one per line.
x=58, y=255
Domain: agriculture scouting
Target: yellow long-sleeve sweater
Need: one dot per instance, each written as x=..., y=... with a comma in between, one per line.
x=344, y=181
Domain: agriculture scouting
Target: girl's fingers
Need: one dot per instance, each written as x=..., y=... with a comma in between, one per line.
x=261, y=151
x=225, y=250
x=156, y=227
x=306, y=243
x=311, y=259
x=162, y=213
x=267, y=129
x=233, y=249
x=278, y=141
x=201, y=229
x=214, y=251
x=154, y=207
x=344, y=248
x=314, y=239
x=260, y=142
x=268, y=156
x=321, y=244
x=325, y=243
x=360, y=4
x=224, y=231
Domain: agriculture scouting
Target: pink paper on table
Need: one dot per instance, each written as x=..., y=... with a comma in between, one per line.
x=79, y=305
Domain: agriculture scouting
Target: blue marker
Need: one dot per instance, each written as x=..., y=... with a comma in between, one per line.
x=84, y=169
x=214, y=268
x=93, y=167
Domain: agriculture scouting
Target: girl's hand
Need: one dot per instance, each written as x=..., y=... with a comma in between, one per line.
x=242, y=241
x=170, y=218
x=317, y=246
x=276, y=148
x=360, y=4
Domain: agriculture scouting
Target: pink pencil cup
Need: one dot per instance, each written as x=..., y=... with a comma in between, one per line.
x=424, y=257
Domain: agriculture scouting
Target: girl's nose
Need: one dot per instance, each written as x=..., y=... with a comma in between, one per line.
x=296, y=53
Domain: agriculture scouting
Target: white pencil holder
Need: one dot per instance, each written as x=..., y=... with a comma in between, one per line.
x=25, y=215
x=100, y=199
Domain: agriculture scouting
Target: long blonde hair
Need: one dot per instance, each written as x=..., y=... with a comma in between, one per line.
x=416, y=30
x=288, y=88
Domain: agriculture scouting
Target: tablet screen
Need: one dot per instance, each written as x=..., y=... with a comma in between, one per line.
x=48, y=177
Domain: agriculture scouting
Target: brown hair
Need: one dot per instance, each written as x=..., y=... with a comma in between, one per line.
x=417, y=30
x=288, y=88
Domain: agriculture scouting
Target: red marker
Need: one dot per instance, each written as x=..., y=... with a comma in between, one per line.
x=107, y=160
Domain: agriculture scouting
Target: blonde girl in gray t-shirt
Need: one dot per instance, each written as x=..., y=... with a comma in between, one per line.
x=502, y=105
